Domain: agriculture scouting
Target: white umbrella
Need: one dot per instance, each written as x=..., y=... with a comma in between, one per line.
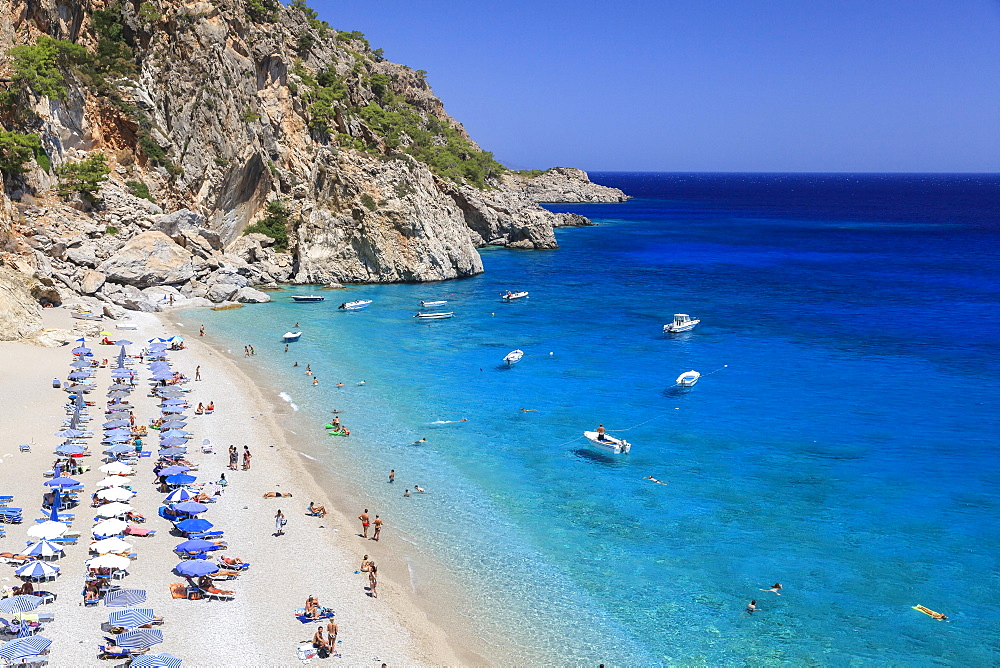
x=111, y=481
x=115, y=494
x=48, y=530
x=112, y=561
x=117, y=468
x=113, y=509
x=110, y=545
x=109, y=527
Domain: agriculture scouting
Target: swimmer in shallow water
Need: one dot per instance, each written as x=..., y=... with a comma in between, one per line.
x=660, y=482
x=418, y=488
x=423, y=440
x=752, y=607
x=529, y=410
x=775, y=588
x=361, y=383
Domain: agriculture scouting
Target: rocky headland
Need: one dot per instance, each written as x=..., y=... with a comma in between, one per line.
x=166, y=152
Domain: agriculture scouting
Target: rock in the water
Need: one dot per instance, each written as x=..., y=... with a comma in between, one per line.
x=563, y=184
x=91, y=281
x=20, y=315
x=220, y=292
x=148, y=259
x=227, y=306
x=251, y=296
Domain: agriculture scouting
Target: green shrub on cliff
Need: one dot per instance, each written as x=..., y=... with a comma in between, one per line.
x=83, y=178
x=140, y=189
x=263, y=11
x=321, y=27
x=42, y=67
x=16, y=150
x=274, y=225
x=113, y=54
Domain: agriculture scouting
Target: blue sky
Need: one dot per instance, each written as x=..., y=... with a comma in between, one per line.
x=707, y=85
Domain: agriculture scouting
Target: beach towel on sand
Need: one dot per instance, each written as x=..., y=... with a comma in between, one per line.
x=300, y=614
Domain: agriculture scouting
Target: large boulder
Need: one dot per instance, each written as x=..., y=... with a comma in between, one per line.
x=174, y=224
x=131, y=298
x=83, y=253
x=20, y=315
x=251, y=296
x=91, y=281
x=150, y=258
x=221, y=292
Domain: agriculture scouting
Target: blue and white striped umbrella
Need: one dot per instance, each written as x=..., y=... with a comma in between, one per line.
x=122, y=598
x=178, y=495
x=131, y=618
x=156, y=661
x=37, y=569
x=43, y=548
x=21, y=603
x=22, y=647
x=139, y=638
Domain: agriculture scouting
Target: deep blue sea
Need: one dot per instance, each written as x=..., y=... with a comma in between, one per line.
x=842, y=439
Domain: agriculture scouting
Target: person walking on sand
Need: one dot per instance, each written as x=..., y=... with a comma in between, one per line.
x=377, y=523
x=373, y=582
x=197, y=372
x=246, y=458
x=234, y=457
x=279, y=523
x=364, y=523
x=392, y=475
x=201, y=331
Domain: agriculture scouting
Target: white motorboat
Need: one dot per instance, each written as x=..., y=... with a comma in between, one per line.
x=437, y=303
x=435, y=316
x=308, y=298
x=513, y=357
x=618, y=446
x=85, y=315
x=511, y=296
x=291, y=336
x=355, y=305
x=688, y=378
x=682, y=323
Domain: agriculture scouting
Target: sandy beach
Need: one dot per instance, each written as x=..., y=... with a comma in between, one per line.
x=315, y=556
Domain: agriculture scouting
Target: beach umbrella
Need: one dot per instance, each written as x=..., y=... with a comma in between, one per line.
x=131, y=618
x=18, y=648
x=113, y=509
x=113, y=561
x=118, y=409
x=122, y=598
x=38, y=570
x=173, y=470
x=81, y=349
x=176, y=339
x=117, y=394
x=195, y=569
x=173, y=424
x=162, y=375
x=69, y=449
x=79, y=375
x=178, y=495
x=62, y=482
x=121, y=373
x=119, y=449
x=109, y=528
x=174, y=432
x=114, y=424
x=56, y=505
x=173, y=402
x=162, y=660
x=118, y=431
x=79, y=364
x=174, y=451
x=109, y=545
x=171, y=441
x=43, y=548
x=180, y=479
x=117, y=440
x=139, y=638
x=110, y=481
x=20, y=603
x=123, y=342
x=167, y=410
x=194, y=525
x=47, y=530
x=194, y=545
x=115, y=494
x=116, y=468
x=70, y=433
x=189, y=507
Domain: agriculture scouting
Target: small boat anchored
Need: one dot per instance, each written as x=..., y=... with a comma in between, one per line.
x=619, y=446
x=441, y=302
x=688, y=378
x=435, y=316
x=513, y=357
x=308, y=298
x=85, y=315
x=682, y=323
x=511, y=296
x=291, y=336
x=355, y=305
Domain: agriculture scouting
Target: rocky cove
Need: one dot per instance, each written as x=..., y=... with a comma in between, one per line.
x=216, y=120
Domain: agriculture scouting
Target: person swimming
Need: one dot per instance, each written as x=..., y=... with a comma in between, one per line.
x=752, y=607
x=775, y=588
x=660, y=482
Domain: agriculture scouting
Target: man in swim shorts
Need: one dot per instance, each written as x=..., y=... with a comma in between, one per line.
x=364, y=522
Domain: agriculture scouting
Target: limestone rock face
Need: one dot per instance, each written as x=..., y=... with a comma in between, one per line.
x=563, y=184
x=150, y=258
x=20, y=315
x=250, y=296
x=91, y=281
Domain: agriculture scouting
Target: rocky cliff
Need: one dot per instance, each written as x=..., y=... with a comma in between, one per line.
x=285, y=150
x=561, y=185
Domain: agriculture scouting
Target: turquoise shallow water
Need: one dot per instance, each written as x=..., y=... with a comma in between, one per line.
x=848, y=450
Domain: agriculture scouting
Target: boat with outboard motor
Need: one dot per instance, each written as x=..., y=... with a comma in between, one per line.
x=440, y=302
x=682, y=323
x=688, y=378
x=435, y=316
x=511, y=296
x=618, y=446
x=291, y=336
x=513, y=357
x=356, y=305
x=308, y=298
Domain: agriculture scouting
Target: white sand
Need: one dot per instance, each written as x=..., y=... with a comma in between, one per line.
x=317, y=556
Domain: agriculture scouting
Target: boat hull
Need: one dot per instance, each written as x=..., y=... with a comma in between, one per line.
x=515, y=295
x=355, y=306
x=289, y=337
x=688, y=379
x=81, y=315
x=434, y=316
x=308, y=299
x=430, y=304
x=513, y=357
x=619, y=446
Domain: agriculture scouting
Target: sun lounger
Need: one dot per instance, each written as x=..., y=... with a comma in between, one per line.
x=218, y=594
x=136, y=531
x=4, y=500
x=112, y=652
x=24, y=447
